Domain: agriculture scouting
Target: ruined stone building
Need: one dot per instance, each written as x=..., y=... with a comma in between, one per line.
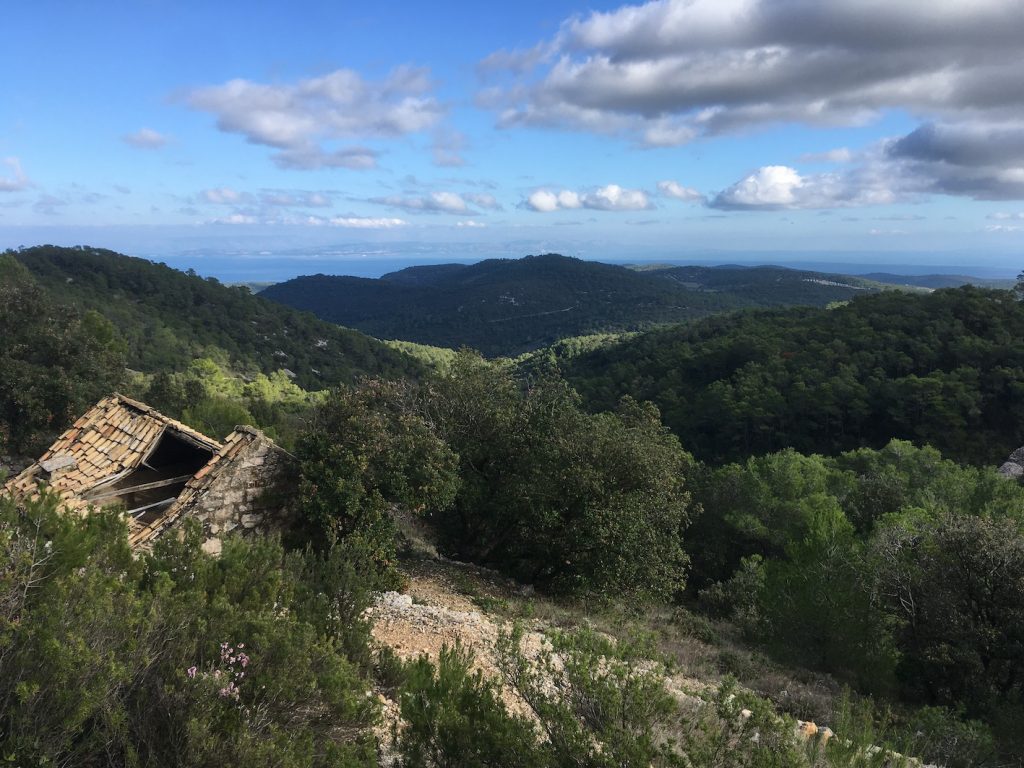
x=163, y=472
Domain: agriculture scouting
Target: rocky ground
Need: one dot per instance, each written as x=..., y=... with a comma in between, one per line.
x=445, y=602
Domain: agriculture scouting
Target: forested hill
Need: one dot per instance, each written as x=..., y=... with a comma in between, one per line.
x=168, y=318
x=945, y=368
x=508, y=306
x=768, y=286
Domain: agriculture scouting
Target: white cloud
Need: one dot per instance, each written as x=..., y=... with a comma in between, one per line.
x=295, y=199
x=224, y=196
x=235, y=218
x=1006, y=216
x=470, y=224
x=361, y=222
x=608, y=198
x=615, y=198
x=840, y=155
x=779, y=187
x=774, y=186
x=677, y=191
x=545, y=201
x=145, y=138
x=310, y=157
x=435, y=202
x=483, y=200
x=15, y=180
x=1003, y=228
x=297, y=118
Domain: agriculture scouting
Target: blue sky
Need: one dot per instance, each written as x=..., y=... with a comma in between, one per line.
x=669, y=129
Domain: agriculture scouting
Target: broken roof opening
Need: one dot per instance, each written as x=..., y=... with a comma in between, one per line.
x=158, y=480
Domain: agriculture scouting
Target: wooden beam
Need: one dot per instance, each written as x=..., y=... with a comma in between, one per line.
x=135, y=488
x=139, y=510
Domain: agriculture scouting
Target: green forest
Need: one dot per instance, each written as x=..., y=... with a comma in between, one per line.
x=809, y=493
x=944, y=369
x=505, y=307
x=167, y=318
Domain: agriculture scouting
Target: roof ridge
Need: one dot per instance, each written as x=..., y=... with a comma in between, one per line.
x=152, y=412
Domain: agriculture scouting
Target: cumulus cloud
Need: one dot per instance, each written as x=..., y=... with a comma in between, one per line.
x=779, y=187
x=677, y=191
x=608, y=198
x=435, y=202
x=667, y=71
x=297, y=118
x=145, y=138
x=545, y=201
x=14, y=180
x=615, y=198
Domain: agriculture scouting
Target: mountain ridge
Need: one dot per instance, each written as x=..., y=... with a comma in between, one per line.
x=505, y=307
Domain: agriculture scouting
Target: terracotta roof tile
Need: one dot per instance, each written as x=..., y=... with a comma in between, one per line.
x=109, y=439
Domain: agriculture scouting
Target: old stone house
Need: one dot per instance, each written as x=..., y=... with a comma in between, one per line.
x=162, y=471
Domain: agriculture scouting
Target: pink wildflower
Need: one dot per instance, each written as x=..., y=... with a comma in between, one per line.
x=191, y=672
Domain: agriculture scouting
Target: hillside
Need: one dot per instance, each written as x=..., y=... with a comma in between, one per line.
x=168, y=318
x=938, y=281
x=510, y=306
x=769, y=286
x=946, y=368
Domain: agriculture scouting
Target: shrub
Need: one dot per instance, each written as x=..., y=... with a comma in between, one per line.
x=454, y=718
x=175, y=658
x=367, y=448
x=569, y=501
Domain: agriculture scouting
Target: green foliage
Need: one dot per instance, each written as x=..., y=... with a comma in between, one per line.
x=599, y=704
x=938, y=735
x=569, y=501
x=168, y=318
x=174, y=659
x=953, y=586
x=455, y=718
x=896, y=569
x=367, y=448
x=946, y=369
x=54, y=360
x=210, y=398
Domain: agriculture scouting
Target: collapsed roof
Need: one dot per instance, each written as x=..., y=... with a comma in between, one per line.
x=123, y=451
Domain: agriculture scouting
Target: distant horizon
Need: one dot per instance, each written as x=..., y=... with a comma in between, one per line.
x=269, y=267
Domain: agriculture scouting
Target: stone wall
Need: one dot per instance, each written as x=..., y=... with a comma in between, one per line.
x=248, y=491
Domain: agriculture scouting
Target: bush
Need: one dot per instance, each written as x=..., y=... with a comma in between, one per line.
x=175, y=658
x=367, y=448
x=569, y=501
x=454, y=718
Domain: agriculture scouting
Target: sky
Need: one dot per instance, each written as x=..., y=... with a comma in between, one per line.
x=866, y=130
